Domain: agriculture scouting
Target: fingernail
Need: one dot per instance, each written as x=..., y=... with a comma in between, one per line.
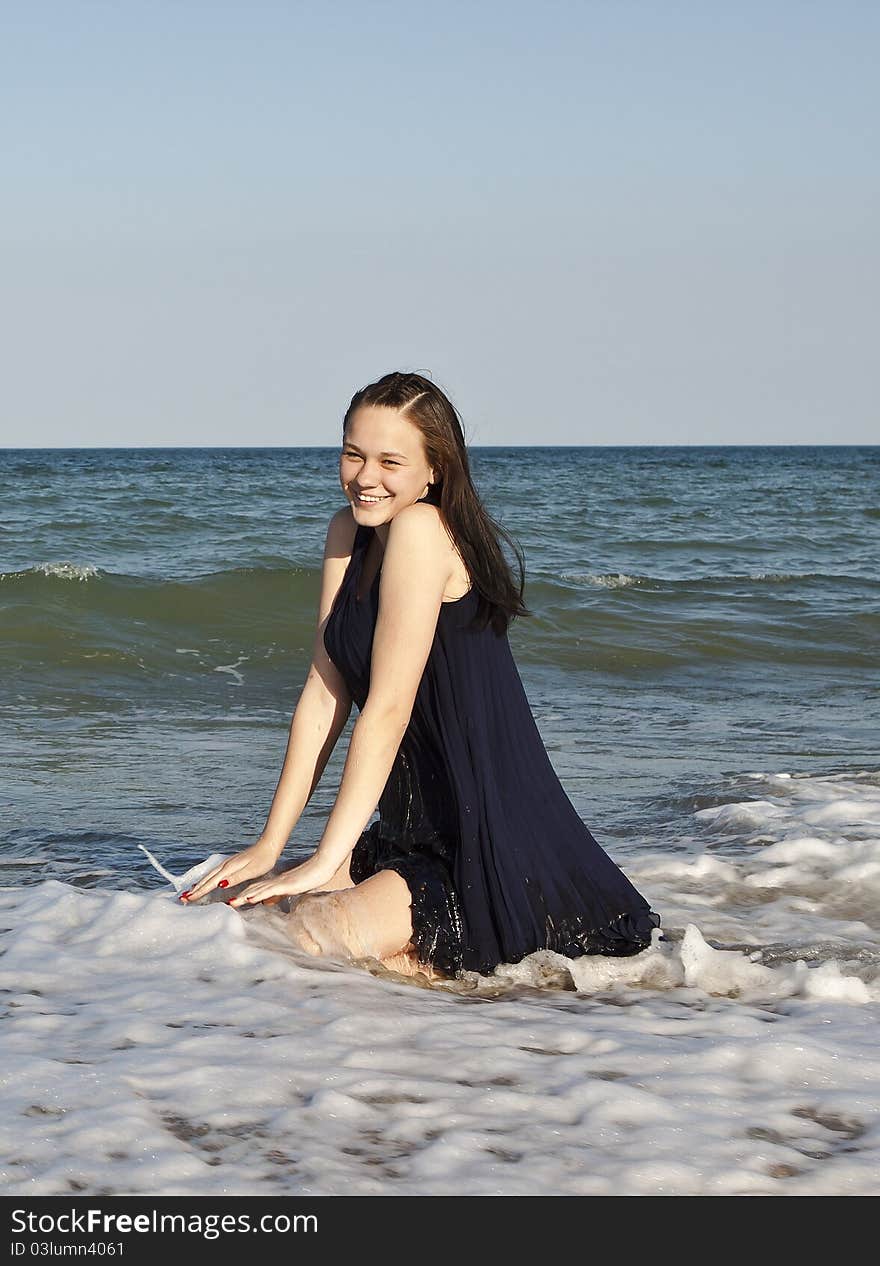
x=230, y=901
x=224, y=883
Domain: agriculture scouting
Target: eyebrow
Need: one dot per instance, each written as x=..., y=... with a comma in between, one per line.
x=387, y=454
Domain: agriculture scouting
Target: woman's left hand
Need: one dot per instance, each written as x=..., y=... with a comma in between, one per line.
x=307, y=877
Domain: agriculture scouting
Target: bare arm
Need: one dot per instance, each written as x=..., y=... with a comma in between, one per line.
x=319, y=718
x=415, y=571
x=323, y=708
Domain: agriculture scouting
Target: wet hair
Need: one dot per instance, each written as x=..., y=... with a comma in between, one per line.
x=475, y=533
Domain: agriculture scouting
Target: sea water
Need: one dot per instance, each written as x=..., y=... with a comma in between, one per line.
x=702, y=663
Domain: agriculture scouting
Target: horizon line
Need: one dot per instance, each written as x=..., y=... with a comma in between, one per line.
x=208, y=448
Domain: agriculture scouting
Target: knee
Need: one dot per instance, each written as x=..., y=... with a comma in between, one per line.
x=299, y=926
x=319, y=924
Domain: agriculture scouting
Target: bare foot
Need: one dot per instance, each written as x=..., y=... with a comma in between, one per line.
x=406, y=963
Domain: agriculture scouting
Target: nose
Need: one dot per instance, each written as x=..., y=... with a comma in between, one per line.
x=369, y=477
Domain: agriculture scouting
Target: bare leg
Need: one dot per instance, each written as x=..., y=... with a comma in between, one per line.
x=372, y=919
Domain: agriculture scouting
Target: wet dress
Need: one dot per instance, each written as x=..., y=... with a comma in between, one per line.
x=473, y=816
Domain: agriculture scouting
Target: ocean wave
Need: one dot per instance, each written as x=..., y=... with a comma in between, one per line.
x=57, y=571
x=579, y=1092
x=272, y=573
x=606, y=580
x=621, y=580
x=87, y=623
x=791, y=857
x=68, y=613
x=122, y=593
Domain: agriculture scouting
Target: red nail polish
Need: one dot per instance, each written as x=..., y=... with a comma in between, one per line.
x=230, y=901
x=224, y=883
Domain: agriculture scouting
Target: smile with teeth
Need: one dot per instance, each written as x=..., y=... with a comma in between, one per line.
x=369, y=501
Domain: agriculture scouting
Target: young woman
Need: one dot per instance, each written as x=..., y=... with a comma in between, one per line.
x=478, y=856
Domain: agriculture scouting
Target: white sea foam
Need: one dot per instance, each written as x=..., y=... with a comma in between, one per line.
x=173, y=880
x=619, y=580
x=66, y=571
x=761, y=575
x=232, y=669
x=157, y=1049
x=797, y=864
x=605, y=580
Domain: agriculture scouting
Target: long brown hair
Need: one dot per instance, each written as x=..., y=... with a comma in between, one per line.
x=474, y=532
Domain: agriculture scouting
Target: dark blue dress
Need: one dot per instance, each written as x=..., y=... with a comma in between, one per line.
x=473, y=816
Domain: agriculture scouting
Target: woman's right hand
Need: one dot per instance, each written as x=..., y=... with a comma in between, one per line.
x=251, y=863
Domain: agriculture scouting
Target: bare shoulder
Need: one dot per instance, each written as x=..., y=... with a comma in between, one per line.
x=420, y=543
x=420, y=525
x=337, y=554
x=341, y=532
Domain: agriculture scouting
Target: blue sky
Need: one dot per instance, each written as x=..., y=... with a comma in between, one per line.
x=604, y=222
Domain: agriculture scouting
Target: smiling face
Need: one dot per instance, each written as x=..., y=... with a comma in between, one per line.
x=383, y=457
